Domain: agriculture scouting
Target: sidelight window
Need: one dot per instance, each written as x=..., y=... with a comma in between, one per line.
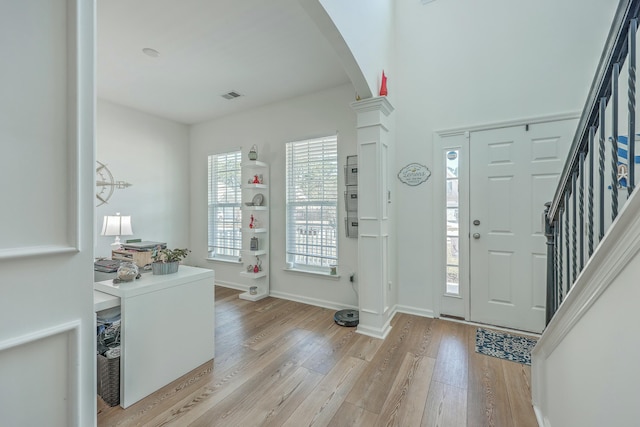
x=452, y=180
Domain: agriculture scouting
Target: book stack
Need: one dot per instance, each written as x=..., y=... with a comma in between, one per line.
x=106, y=265
x=137, y=252
x=143, y=246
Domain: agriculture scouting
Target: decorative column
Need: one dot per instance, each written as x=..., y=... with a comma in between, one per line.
x=374, y=147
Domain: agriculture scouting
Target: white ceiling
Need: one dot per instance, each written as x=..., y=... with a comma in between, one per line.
x=267, y=50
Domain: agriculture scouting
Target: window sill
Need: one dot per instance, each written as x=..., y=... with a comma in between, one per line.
x=312, y=273
x=226, y=261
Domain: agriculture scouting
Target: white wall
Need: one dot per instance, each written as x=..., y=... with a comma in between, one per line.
x=270, y=127
x=462, y=63
x=591, y=379
x=152, y=154
x=367, y=28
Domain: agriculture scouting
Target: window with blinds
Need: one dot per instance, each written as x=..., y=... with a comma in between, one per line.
x=312, y=203
x=225, y=218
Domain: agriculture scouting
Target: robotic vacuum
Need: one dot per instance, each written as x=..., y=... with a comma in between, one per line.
x=346, y=318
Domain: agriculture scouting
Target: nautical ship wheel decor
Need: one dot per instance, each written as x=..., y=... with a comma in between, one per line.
x=105, y=184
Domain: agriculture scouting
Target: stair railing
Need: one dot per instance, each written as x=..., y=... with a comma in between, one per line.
x=600, y=165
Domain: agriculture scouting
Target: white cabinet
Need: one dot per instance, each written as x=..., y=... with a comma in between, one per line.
x=167, y=327
x=255, y=229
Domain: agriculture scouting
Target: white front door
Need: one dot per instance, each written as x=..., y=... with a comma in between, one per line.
x=513, y=172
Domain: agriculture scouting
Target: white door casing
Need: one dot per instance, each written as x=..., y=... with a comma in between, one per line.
x=513, y=172
x=507, y=172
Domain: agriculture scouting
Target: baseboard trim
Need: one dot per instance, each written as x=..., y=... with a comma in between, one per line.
x=542, y=422
x=231, y=285
x=414, y=310
x=493, y=327
x=312, y=301
x=380, y=333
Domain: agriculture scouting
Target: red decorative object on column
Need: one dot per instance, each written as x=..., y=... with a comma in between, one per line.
x=383, y=86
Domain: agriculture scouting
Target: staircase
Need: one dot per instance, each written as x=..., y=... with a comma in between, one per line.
x=585, y=367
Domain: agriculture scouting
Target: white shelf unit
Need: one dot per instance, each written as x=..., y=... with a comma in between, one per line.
x=254, y=186
x=254, y=253
x=253, y=275
x=254, y=230
x=255, y=164
x=260, y=280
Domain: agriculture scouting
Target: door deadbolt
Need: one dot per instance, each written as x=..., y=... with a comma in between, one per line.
x=476, y=222
x=476, y=235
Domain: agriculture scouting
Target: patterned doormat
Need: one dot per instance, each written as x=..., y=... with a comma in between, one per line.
x=504, y=346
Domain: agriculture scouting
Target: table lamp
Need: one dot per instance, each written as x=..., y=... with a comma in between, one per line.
x=116, y=225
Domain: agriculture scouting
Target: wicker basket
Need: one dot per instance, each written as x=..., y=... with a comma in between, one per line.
x=109, y=380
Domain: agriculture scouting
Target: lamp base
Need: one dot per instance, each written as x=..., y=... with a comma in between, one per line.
x=116, y=244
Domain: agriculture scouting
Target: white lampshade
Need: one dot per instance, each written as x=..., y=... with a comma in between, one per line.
x=116, y=225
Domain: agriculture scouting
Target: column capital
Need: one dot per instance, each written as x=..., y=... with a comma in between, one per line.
x=378, y=103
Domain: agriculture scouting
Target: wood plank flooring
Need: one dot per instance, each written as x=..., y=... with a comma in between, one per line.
x=282, y=363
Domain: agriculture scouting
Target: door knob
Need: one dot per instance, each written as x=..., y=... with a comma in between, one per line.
x=476, y=222
x=476, y=235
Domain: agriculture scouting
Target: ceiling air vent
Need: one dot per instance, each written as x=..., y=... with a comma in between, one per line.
x=231, y=95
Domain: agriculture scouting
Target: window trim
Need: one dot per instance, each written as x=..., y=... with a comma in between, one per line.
x=234, y=205
x=332, y=203
x=323, y=274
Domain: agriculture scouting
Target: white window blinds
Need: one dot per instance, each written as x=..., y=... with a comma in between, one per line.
x=312, y=203
x=225, y=218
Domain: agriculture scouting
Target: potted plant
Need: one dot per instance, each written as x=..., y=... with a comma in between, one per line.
x=166, y=261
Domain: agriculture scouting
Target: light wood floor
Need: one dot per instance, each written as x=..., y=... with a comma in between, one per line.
x=282, y=363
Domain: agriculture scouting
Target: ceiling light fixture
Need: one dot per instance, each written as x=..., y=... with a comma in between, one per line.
x=151, y=52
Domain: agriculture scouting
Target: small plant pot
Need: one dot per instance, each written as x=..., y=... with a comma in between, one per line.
x=164, y=267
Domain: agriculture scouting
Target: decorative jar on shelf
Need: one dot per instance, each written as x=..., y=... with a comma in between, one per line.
x=127, y=271
x=253, y=244
x=253, y=153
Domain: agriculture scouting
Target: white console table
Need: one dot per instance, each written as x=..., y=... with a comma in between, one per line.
x=167, y=327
